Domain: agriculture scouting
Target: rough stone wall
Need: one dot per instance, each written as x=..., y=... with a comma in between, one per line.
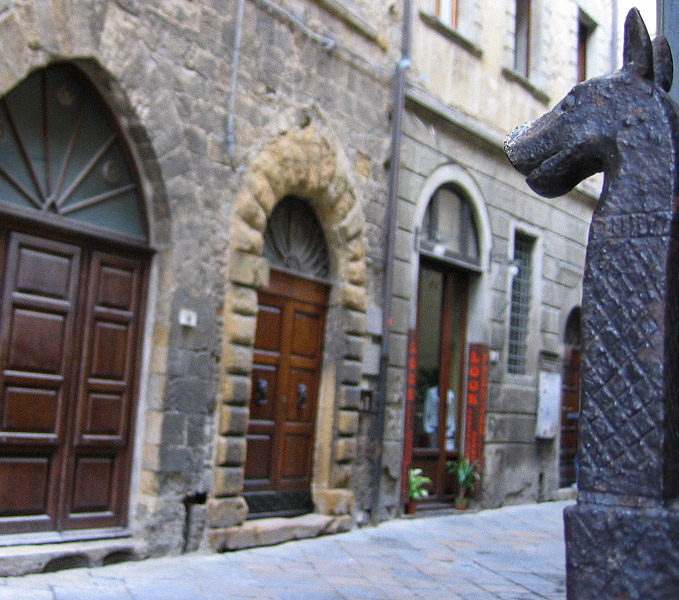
x=165, y=69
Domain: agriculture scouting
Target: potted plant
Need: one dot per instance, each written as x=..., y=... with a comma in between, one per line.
x=416, y=488
x=467, y=475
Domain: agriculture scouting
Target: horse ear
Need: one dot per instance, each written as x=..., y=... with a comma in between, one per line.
x=663, y=65
x=637, y=53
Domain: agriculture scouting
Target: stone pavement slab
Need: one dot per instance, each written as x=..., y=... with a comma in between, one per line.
x=511, y=553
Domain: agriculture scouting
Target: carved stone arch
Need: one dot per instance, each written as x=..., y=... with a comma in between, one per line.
x=303, y=160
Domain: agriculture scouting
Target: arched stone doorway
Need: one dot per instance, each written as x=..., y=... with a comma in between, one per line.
x=449, y=257
x=288, y=353
x=74, y=259
x=302, y=161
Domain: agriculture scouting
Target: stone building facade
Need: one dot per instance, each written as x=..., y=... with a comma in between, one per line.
x=479, y=70
x=193, y=199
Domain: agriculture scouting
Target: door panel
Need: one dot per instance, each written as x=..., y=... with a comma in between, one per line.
x=92, y=486
x=285, y=378
x=38, y=318
x=98, y=456
x=24, y=484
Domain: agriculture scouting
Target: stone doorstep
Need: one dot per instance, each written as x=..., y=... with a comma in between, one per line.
x=25, y=559
x=275, y=530
x=567, y=493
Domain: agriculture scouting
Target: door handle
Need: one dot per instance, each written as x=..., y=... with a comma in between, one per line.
x=262, y=388
x=301, y=396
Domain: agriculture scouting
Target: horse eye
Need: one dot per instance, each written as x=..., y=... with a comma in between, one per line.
x=568, y=102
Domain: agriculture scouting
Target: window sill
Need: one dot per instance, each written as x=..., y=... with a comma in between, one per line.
x=350, y=18
x=451, y=34
x=525, y=83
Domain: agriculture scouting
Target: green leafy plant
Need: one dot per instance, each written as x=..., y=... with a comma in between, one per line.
x=467, y=475
x=417, y=483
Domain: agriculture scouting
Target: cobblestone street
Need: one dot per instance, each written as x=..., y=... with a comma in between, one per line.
x=510, y=553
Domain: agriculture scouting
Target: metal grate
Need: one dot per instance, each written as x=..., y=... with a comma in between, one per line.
x=520, y=307
x=278, y=504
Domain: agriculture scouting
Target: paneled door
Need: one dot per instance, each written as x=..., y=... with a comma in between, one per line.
x=70, y=325
x=285, y=380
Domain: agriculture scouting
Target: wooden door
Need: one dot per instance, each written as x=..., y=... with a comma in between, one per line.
x=285, y=379
x=570, y=416
x=69, y=332
x=441, y=326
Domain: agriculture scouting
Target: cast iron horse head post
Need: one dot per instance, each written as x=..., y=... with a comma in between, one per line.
x=623, y=535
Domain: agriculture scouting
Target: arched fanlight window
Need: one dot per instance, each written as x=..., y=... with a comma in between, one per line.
x=62, y=154
x=449, y=230
x=294, y=239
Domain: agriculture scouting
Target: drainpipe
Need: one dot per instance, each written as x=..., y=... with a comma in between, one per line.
x=394, y=168
x=230, y=141
x=614, y=37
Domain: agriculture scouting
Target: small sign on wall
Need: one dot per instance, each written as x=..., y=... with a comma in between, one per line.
x=411, y=381
x=549, y=405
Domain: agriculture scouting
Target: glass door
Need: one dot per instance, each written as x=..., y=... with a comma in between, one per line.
x=441, y=325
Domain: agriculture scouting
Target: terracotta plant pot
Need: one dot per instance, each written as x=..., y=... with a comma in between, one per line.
x=461, y=503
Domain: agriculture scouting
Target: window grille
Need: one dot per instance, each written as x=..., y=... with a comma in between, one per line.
x=520, y=305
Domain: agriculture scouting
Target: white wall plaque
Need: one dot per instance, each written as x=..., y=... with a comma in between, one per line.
x=549, y=405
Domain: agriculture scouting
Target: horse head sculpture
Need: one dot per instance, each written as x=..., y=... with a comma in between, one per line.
x=588, y=130
x=625, y=125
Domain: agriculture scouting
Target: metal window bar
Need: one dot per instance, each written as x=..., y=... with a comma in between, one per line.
x=520, y=305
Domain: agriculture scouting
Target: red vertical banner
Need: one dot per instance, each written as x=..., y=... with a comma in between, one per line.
x=411, y=381
x=477, y=393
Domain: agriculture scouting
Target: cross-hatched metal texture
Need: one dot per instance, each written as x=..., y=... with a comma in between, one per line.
x=520, y=305
x=623, y=437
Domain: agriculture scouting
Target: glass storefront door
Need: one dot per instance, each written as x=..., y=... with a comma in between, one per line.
x=441, y=325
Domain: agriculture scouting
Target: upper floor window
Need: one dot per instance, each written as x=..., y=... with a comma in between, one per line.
x=447, y=12
x=585, y=31
x=522, y=38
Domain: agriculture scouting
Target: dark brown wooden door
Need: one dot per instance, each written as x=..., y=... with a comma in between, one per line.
x=69, y=333
x=285, y=379
x=570, y=417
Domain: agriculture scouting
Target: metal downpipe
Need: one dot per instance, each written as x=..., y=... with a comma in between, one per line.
x=392, y=198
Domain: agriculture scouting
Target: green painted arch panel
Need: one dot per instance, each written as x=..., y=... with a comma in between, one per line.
x=61, y=153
